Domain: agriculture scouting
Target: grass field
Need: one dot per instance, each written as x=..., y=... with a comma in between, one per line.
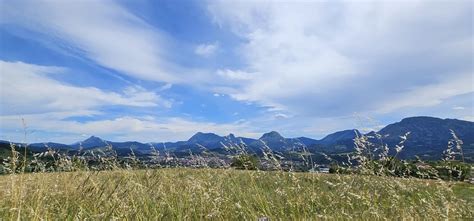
x=218, y=194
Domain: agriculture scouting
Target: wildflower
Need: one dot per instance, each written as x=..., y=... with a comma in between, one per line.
x=330, y=183
x=238, y=205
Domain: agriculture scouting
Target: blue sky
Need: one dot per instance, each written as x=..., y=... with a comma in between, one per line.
x=163, y=70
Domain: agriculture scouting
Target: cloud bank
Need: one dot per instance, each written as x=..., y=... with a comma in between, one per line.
x=329, y=59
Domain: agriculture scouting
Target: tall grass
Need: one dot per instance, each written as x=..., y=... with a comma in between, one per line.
x=225, y=194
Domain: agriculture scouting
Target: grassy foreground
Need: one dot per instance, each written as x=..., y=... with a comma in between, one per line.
x=183, y=194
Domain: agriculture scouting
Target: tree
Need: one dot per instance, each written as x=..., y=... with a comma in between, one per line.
x=245, y=162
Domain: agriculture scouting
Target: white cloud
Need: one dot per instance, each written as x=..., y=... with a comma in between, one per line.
x=206, y=50
x=116, y=129
x=235, y=75
x=429, y=95
x=281, y=116
x=165, y=87
x=468, y=118
x=102, y=31
x=322, y=59
x=27, y=88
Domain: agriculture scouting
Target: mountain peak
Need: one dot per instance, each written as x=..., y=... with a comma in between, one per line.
x=271, y=135
x=93, y=139
x=200, y=137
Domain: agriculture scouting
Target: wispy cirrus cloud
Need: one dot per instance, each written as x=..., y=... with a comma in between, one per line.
x=102, y=31
x=28, y=88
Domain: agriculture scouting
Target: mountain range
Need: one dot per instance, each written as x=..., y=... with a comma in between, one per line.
x=428, y=139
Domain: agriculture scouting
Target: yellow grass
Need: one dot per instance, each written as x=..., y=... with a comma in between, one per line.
x=218, y=194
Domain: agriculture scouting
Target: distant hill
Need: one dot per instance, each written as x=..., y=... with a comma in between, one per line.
x=91, y=142
x=428, y=139
x=341, y=141
x=429, y=136
x=41, y=147
x=6, y=150
x=307, y=141
x=205, y=138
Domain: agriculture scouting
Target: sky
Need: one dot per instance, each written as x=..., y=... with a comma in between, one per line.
x=162, y=70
